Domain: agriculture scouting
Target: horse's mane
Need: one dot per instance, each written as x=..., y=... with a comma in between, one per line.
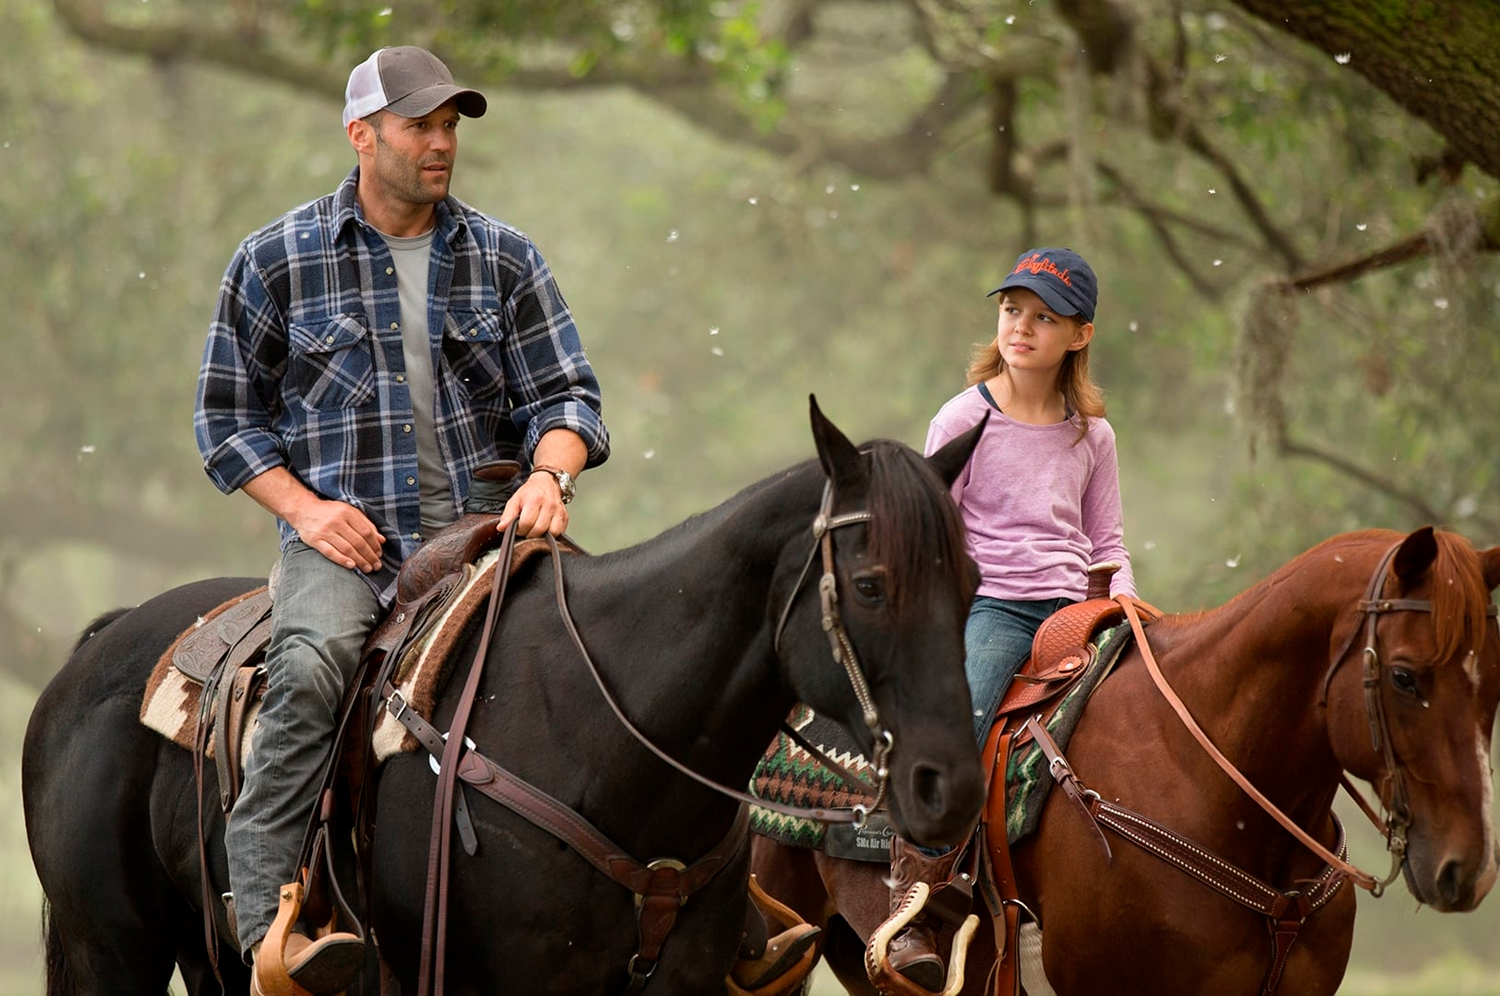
x=94, y=627
x=1458, y=594
x=914, y=526
x=1460, y=599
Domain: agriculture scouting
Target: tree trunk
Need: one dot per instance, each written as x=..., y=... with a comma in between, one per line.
x=1438, y=60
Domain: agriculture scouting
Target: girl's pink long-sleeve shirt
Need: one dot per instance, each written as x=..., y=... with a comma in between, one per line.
x=1040, y=504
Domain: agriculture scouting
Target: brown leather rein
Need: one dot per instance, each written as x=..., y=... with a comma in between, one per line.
x=1395, y=824
x=663, y=885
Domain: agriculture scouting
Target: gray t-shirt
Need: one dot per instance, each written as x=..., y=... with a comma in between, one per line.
x=412, y=258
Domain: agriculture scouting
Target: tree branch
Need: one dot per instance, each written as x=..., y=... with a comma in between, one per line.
x=221, y=47
x=1288, y=447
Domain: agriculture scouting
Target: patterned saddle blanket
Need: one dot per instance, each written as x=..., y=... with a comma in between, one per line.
x=788, y=773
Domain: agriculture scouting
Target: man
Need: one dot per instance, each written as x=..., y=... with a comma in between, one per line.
x=369, y=351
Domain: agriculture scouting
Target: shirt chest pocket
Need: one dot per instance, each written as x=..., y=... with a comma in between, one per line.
x=474, y=349
x=329, y=365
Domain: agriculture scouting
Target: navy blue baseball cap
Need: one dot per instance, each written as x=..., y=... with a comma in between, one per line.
x=1060, y=277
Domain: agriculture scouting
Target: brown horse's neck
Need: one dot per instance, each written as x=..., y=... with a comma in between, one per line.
x=1251, y=673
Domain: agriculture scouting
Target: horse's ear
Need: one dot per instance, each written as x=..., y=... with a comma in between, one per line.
x=1489, y=565
x=840, y=460
x=1415, y=556
x=949, y=461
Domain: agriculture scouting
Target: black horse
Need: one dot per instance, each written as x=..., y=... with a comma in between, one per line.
x=706, y=635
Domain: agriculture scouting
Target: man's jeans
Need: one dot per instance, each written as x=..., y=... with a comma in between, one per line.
x=997, y=641
x=322, y=616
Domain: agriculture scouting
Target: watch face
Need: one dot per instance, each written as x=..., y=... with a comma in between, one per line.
x=562, y=477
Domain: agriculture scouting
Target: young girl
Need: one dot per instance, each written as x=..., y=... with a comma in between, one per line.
x=1041, y=495
x=1040, y=499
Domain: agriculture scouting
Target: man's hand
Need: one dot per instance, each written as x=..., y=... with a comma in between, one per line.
x=536, y=507
x=340, y=532
x=337, y=530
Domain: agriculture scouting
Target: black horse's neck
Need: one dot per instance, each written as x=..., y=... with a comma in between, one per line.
x=680, y=629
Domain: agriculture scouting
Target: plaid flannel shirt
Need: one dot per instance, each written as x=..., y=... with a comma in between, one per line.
x=304, y=368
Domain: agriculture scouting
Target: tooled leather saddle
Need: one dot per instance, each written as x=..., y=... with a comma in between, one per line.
x=221, y=659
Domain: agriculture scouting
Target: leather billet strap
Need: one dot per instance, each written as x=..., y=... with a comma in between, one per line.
x=1005, y=905
x=1062, y=774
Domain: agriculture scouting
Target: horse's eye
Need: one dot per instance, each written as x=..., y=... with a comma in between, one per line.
x=1404, y=680
x=870, y=588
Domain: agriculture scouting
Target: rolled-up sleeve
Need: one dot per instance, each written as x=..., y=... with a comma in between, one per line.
x=243, y=361
x=545, y=367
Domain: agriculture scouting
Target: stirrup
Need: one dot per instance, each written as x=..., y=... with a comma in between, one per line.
x=877, y=955
x=783, y=970
x=788, y=962
x=271, y=975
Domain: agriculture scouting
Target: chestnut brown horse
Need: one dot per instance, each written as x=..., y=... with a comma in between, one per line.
x=1372, y=654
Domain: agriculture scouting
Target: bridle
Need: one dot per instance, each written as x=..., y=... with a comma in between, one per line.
x=839, y=643
x=1398, y=809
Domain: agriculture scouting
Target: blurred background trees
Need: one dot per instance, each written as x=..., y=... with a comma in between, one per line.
x=1291, y=205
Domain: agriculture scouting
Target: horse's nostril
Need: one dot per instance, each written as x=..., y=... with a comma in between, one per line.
x=928, y=788
x=1453, y=887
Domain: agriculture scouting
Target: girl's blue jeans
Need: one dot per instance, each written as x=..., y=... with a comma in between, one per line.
x=997, y=640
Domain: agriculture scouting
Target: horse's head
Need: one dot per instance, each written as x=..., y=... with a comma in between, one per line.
x=1414, y=710
x=894, y=599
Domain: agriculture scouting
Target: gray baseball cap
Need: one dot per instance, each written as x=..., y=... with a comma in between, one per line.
x=409, y=81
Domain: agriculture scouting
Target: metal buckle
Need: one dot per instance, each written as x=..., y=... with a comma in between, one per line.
x=657, y=865
x=391, y=707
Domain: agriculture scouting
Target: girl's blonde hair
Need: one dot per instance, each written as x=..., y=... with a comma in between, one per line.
x=1084, y=398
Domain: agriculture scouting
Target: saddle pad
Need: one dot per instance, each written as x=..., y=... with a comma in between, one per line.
x=790, y=775
x=420, y=672
x=1026, y=776
x=172, y=700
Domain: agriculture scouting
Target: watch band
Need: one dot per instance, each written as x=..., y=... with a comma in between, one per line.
x=565, y=485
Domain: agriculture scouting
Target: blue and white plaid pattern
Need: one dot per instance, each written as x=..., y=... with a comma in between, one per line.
x=304, y=367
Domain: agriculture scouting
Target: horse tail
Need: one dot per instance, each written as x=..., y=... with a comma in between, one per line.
x=59, y=979
x=94, y=627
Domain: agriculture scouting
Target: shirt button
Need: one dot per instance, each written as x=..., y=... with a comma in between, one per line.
x=417, y=537
x=389, y=270
x=395, y=325
x=410, y=479
x=406, y=427
x=401, y=378
x=473, y=333
x=329, y=339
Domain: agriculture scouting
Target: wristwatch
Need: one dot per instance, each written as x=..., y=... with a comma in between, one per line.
x=562, y=477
